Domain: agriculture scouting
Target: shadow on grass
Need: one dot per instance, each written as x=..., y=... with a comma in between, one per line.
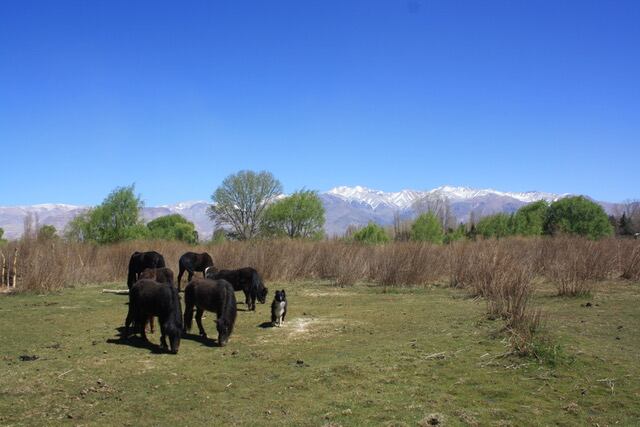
x=265, y=325
x=137, y=342
x=206, y=341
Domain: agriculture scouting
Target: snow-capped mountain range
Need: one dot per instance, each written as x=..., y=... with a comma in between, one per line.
x=344, y=206
x=406, y=198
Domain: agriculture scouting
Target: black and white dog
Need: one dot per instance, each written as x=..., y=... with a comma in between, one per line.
x=278, y=308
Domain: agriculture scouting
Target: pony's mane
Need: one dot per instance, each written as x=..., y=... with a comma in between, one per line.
x=176, y=309
x=229, y=309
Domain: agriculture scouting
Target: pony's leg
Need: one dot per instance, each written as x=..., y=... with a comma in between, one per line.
x=180, y=273
x=199, y=312
x=143, y=332
x=163, y=340
x=127, y=323
x=190, y=276
x=151, y=324
x=188, y=316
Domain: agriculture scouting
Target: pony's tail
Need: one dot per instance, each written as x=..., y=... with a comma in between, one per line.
x=131, y=277
x=188, y=308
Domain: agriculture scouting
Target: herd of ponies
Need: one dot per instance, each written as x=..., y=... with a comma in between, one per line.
x=153, y=292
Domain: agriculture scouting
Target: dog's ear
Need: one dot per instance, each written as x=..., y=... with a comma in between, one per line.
x=283, y=294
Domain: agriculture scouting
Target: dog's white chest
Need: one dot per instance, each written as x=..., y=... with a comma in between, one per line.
x=280, y=308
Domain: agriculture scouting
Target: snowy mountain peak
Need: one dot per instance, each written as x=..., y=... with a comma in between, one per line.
x=375, y=198
x=184, y=205
x=405, y=198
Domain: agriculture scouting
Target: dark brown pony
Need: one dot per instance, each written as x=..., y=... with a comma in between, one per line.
x=190, y=262
x=211, y=295
x=160, y=275
x=244, y=279
x=149, y=298
x=139, y=261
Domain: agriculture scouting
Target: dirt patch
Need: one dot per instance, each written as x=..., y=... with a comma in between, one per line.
x=334, y=293
x=306, y=327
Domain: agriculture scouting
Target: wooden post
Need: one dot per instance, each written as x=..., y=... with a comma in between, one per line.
x=15, y=266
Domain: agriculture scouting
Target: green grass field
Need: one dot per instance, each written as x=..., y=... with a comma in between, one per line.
x=346, y=356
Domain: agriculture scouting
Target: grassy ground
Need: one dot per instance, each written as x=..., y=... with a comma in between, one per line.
x=352, y=356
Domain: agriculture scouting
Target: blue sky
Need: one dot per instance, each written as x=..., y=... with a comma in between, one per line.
x=175, y=96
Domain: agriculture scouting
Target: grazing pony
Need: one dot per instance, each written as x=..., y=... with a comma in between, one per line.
x=191, y=262
x=160, y=275
x=211, y=295
x=149, y=298
x=141, y=260
x=244, y=279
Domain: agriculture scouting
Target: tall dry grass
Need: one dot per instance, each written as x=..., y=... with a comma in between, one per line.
x=573, y=264
x=502, y=273
x=630, y=259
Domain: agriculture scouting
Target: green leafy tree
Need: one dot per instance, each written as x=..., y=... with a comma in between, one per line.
x=2, y=239
x=625, y=226
x=241, y=200
x=577, y=215
x=498, y=226
x=173, y=227
x=116, y=219
x=219, y=236
x=301, y=215
x=472, y=232
x=372, y=233
x=453, y=235
x=47, y=232
x=427, y=228
x=529, y=219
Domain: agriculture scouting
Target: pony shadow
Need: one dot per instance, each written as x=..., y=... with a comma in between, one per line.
x=265, y=325
x=137, y=342
x=207, y=342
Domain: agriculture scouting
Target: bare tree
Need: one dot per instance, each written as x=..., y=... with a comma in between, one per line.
x=28, y=232
x=241, y=199
x=439, y=206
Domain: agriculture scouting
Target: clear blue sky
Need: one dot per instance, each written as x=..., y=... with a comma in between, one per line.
x=389, y=94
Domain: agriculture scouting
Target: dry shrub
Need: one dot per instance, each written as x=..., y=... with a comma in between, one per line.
x=404, y=264
x=576, y=264
x=475, y=266
x=630, y=260
x=501, y=272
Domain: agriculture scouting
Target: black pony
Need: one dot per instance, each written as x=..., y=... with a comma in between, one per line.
x=244, y=279
x=211, y=295
x=141, y=260
x=191, y=262
x=160, y=275
x=149, y=298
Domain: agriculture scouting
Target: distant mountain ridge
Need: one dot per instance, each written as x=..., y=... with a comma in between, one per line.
x=344, y=206
x=404, y=199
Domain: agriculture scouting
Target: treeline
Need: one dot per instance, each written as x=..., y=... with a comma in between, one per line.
x=249, y=205
x=577, y=216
